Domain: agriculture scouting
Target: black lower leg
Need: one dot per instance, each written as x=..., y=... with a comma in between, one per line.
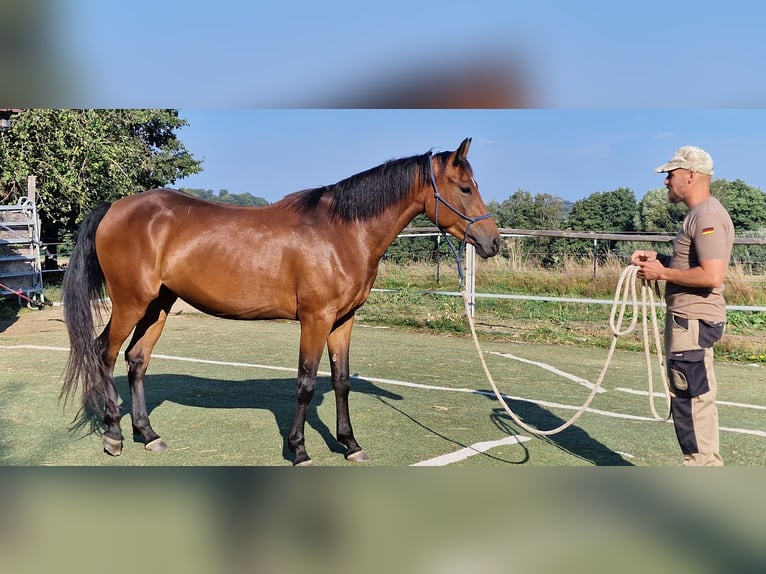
x=297, y=438
x=142, y=429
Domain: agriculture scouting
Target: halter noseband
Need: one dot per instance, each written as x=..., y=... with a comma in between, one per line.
x=458, y=253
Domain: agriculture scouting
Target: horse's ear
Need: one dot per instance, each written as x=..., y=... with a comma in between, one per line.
x=462, y=152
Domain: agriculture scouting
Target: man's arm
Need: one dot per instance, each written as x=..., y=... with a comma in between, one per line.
x=709, y=274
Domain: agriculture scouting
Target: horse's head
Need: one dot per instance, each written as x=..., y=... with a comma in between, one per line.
x=455, y=204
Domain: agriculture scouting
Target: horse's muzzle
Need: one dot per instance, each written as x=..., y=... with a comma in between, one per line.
x=488, y=248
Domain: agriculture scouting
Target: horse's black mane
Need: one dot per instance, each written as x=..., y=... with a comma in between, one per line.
x=370, y=192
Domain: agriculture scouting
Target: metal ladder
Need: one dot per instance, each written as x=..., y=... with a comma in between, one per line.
x=20, y=268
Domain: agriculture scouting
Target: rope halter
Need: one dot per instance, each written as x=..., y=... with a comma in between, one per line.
x=458, y=253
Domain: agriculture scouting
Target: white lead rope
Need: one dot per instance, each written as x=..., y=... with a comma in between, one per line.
x=627, y=287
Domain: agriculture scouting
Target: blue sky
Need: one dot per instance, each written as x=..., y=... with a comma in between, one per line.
x=567, y=153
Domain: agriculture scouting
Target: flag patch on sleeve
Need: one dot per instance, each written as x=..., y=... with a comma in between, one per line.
x=708, y=230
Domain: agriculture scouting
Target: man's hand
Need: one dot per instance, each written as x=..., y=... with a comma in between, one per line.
x=641, y=255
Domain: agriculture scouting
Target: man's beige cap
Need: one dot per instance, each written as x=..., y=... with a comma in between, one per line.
x=691, y=158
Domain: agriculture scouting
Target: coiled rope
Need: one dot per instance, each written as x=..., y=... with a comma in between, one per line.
x=625, y=293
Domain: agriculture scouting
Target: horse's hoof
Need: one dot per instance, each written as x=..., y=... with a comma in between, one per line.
x=112, y=447
x=157, y=445
x=358, y=456
x=308, y=462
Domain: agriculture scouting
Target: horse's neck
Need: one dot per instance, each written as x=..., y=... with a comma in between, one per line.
x=390, y=224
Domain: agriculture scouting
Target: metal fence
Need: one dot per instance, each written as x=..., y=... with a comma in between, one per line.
x=530, y=259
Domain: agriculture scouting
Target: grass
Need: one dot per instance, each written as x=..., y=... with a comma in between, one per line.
x=230, y=415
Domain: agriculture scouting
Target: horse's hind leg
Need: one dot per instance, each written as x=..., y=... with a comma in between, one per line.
x=111, y=438
x=338, y=345
x=148, y=331
x=112, y=337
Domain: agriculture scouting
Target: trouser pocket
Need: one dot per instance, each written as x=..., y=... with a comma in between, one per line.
x=710, y=332
x=687, y=373
x=687, y=342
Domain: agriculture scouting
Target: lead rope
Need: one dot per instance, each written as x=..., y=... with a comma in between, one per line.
x=626, y=286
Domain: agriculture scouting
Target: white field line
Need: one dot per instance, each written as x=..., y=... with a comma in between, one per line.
x=727, y=403
x=473, y=450
x=397, y=383
x=554, y=370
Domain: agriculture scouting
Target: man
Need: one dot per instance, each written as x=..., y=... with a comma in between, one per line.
x=696, y=311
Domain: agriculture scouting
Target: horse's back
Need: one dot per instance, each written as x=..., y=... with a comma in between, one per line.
x=226, y=260
x=166, y=215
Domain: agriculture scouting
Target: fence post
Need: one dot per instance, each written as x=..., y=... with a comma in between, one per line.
x=595, y=255
x=438, y=257
x=470, y=277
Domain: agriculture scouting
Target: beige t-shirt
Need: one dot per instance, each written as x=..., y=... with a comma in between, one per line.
x=707, y=233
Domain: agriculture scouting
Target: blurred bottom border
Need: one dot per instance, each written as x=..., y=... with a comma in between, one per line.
x=284, y=520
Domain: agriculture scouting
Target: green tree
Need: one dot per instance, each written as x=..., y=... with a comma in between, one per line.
x=518, y=211
x=655, y=214
x=521, y=207
x=82, y=157
x=549, y=211
x=601, y=211
x=244, y=199
x=522, y=210
x=604, y=211
x=746, y=204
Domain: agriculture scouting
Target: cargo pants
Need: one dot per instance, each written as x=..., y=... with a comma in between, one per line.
x=693, y=387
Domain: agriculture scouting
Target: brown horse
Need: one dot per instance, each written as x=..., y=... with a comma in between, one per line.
x=313, y=257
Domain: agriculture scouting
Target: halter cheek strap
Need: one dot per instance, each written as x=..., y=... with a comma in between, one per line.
x=458, y=253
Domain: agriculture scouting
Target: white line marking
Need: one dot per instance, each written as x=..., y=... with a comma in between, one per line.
x=636, y=392
x=727, y=403
x=552, y=369
x=744, y=431
x=473, y=450
x=402, y=384
x=34, y=348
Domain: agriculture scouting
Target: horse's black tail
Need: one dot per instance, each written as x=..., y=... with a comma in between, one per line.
x=83, y=282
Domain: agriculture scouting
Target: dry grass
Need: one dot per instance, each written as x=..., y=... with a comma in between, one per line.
x=540, y=321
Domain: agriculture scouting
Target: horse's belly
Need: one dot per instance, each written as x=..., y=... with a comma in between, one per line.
x=238, y=301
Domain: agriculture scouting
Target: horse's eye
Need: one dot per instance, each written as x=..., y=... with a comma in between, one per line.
x=467, y=190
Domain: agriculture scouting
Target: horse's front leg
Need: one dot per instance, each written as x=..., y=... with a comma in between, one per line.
x=338, y=345
x=313, y=338
x=304, y=392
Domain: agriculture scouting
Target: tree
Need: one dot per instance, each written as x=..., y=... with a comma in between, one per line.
x=245, y=199
x=83, y=157
x=549, y=211
x=601, y=211
x=746, y=204
x=522, y=210
x=517, y=211
x=604, y=211
x=655, y=214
